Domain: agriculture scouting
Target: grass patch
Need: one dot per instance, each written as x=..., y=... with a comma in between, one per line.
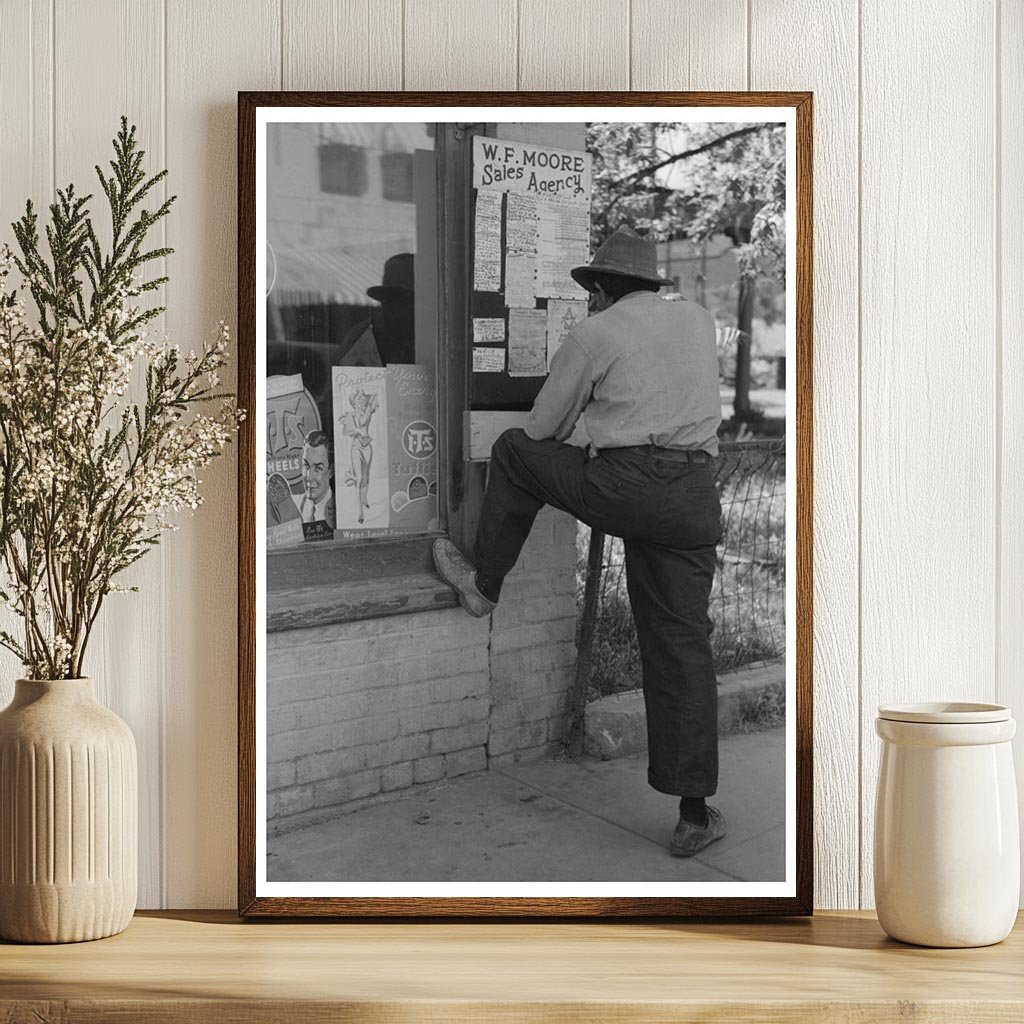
x=748, y=609
x=760, y=710
x=748, y=598
x=615, y=663
x=743, y=635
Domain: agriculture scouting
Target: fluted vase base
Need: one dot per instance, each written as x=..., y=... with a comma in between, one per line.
x=64, y=913
x=68, y=815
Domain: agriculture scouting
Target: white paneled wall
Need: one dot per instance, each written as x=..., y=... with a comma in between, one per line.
x=831, y=71
x=919, y=294
x=928, y=386
x=1008, y=260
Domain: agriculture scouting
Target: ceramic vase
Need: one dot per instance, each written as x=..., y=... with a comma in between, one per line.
x=68, y=815
x=947, y=846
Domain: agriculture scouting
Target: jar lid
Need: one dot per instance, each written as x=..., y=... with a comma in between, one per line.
x=945, y=712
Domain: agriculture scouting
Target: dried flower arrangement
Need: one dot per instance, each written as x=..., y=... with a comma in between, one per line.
x=90, y=477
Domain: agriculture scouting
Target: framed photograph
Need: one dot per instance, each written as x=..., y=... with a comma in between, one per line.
x=525, y=504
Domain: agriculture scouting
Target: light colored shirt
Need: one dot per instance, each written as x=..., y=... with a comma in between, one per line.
x=644, y=371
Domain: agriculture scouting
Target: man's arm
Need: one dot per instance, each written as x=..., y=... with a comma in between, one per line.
x=564, y=394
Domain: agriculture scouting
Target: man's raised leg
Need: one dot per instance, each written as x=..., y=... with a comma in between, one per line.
x=524, y=476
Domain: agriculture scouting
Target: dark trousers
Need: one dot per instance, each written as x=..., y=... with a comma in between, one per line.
x=668, y=514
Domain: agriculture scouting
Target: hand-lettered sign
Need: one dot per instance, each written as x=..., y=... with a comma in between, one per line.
x=535, y=170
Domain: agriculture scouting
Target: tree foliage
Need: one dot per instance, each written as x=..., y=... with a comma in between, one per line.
x=673, y=180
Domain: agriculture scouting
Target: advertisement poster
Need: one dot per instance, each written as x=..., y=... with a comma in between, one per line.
x=527, y=342
x=487, y=242
x=563, y=242
x=563, y=315
x=412, y=442
x=292, y=417
x=531, y=228
x=385, y=449
x=361, y=447
x=487, y=359
x=316, y=502
x=489, y=330
x=547, y=223
x=521, y=251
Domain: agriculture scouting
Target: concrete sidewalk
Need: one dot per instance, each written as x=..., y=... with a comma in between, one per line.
x=574, y=821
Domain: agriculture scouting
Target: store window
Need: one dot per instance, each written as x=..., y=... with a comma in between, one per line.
x=352, y=335
x=407, y=326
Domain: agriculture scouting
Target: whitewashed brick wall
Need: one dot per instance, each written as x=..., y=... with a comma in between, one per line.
x=362, y=709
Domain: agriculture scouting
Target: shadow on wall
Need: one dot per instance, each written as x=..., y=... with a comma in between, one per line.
x=201, y=569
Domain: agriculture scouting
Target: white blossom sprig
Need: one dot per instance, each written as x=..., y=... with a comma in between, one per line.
x=91, y=472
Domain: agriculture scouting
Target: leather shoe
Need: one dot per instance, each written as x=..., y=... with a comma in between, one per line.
x=460, y=573
x=689, y=839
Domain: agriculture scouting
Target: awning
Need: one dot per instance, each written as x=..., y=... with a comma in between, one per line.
x=394, y=137
x=332, y=275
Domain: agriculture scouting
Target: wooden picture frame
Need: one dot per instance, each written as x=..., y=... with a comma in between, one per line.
x=462, y=484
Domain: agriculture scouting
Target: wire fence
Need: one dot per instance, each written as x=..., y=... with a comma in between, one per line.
x=748, y=600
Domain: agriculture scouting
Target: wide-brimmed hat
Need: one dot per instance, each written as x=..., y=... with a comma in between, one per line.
x=398, y=277
x=624, y=254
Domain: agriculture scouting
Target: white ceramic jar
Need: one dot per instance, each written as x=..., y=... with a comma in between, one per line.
x=947, y=846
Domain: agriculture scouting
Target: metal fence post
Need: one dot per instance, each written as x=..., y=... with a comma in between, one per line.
x=584, y=650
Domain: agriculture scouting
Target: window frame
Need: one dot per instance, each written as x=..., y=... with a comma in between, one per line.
x=324, y=582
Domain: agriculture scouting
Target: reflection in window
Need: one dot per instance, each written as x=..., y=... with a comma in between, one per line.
x=396, y=176
x=387, y=334
x=342, y=169
x=351, y=337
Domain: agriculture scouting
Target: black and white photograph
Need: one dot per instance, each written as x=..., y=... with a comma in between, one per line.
x=525, y=593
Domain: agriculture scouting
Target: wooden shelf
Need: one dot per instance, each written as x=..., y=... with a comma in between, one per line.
x=209, y=966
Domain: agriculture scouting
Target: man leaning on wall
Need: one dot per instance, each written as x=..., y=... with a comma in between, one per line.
x=643, y=373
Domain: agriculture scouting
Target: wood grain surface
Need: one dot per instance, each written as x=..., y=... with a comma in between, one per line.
x=1010, y=316
x=27, y=79
x=701, y=44
x=918, y=158
x=1009, y=269
x=575, y=44
x=201, y=967
x=928, y=367
x=229, y=45
x=832, y=74
x=345, y=44
x=468, y=45
x=128, y=669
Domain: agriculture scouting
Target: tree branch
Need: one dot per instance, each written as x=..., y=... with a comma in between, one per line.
x=646, y=172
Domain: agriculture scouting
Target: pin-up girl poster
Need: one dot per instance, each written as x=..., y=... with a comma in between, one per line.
x=361, y=448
